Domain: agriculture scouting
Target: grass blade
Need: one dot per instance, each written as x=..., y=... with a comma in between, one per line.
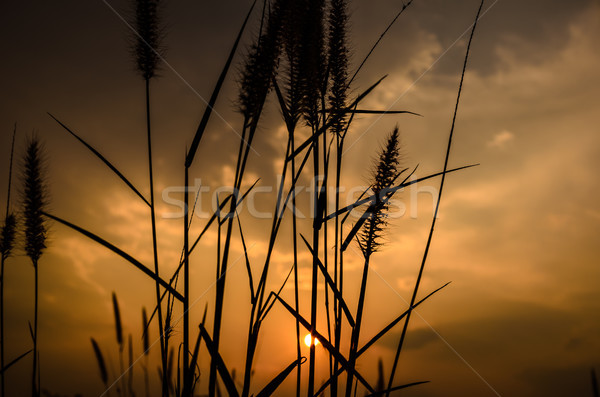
x=213, y=98
x=103, y=159
x=221, y=368
x=119, y=252
x=325, y=127
x=366, y=93
x=394, y=322
x=381, y=393
x=438, y=201
x=206, y=227
x=284, y=109
x=274, y=384
x=358, y=203
x=10, y=168
x=194, y=360
x=325, y=343
x=331, y=284
x=214, y=215
x=404, y=6
x=368, y=111
x=375, y=339
x=385, y=195
x=13, y=362
x=248, y=268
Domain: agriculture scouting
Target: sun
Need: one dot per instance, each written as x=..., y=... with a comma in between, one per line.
x=307, y=340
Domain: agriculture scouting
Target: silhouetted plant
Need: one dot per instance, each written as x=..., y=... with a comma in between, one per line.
x=7, y=236
x=256, y=80
x=339, y=84
x=124, y=379
x=338, y=64
x=7, y=243
x=148, y=37
x=384, y=175
x=147, y=57
x=437, y=205
x=101, y=365
x=309, y=37
x=312, y=60
x=34, y=203
x=119, y=336
x=260, y=65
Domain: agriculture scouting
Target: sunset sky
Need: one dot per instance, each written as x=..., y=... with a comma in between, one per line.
x=518, y=235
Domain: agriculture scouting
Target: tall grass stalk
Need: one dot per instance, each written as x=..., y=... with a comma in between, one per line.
x=187, y=381
x=154, y=240
x=338, y=74
x=381, y=36
x=311, y=74
x=255, y=83
x=7, y=242
x=291, y=38
x=147, y=57
x=34, y=203
x=259, y=307
x=188, y=372
x=292, y=41
x=437, y=206
x=385, y=174
x=310, y=36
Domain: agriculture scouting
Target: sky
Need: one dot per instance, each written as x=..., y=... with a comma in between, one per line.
x=516, y=236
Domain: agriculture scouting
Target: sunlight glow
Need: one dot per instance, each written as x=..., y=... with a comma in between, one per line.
x=307, y=340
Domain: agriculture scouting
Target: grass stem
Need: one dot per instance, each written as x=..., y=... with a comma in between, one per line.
x=437, y=206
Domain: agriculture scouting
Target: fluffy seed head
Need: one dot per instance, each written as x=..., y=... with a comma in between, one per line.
x=34, y=201
x=292, y=40
x=384, y=174
x=338, y=63
x=7, y=236
x=147, y=48
x=261, y=64
x=312, y=60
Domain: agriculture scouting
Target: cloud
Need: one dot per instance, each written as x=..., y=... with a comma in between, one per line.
x=501, y=139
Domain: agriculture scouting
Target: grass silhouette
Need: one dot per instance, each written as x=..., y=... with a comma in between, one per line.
x=34, y=203
x=300, y=56
x=7, y=243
